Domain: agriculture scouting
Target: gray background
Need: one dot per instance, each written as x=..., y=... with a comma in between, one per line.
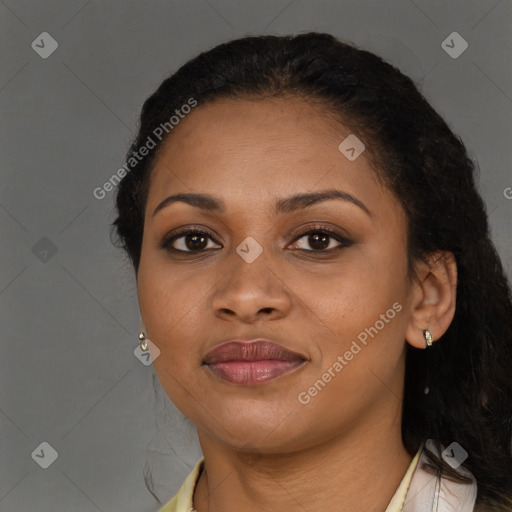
x=68, y=308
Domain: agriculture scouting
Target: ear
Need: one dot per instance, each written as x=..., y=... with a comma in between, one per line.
x=433, y=297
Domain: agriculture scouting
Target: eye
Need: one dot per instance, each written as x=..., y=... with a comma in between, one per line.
x=187, y=240
x=318, y=238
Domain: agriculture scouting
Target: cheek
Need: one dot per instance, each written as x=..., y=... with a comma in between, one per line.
x=173, y=307
x=365, y=305
x=359, y=294
x=169, y=310
x=166, y=295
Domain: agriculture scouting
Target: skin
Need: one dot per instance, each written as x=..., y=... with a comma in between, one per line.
x=264, y=450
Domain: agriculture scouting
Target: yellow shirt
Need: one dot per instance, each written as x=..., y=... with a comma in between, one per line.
x=182, y=502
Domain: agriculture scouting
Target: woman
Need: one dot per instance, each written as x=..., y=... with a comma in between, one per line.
x=314, y=264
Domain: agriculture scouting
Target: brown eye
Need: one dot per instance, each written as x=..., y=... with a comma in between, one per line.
x=191, y=240
x=321, y=240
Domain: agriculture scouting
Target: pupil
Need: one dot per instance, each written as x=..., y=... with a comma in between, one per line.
x=314, y=239
x=195, y=238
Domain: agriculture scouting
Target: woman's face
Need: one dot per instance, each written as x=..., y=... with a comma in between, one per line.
x=343, y=306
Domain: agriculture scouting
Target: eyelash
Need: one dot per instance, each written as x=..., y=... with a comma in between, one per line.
x=345, y=242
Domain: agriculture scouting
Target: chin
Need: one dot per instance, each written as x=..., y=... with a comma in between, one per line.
x=253, y=429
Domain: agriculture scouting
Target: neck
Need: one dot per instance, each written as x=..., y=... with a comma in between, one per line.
x=360, y=471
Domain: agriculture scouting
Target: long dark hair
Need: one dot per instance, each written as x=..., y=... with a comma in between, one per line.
x=428, y=168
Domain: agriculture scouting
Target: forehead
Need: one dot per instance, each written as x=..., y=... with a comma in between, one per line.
x=251, y=150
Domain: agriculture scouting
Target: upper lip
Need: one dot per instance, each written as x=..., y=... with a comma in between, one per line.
x=251, y=350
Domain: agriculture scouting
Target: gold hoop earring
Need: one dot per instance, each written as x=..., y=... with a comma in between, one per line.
x=143, y=342
x=430, y=341
x=428, y=337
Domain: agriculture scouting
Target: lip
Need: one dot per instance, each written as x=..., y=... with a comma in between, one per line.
x=253, y=362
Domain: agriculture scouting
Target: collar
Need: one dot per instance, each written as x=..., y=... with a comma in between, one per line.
x=432, y=493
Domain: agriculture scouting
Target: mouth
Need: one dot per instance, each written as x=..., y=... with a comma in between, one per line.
x=252, y=363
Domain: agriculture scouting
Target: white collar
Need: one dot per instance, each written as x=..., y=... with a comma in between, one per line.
x=430, y=493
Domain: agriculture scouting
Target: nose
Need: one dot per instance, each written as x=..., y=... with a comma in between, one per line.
x=251, y=291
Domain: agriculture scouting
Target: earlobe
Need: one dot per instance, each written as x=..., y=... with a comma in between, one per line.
x=433, y=299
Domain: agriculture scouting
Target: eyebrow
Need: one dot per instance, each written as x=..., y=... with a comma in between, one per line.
x=290, y=204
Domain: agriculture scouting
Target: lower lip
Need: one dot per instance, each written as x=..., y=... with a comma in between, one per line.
x=252, y=373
